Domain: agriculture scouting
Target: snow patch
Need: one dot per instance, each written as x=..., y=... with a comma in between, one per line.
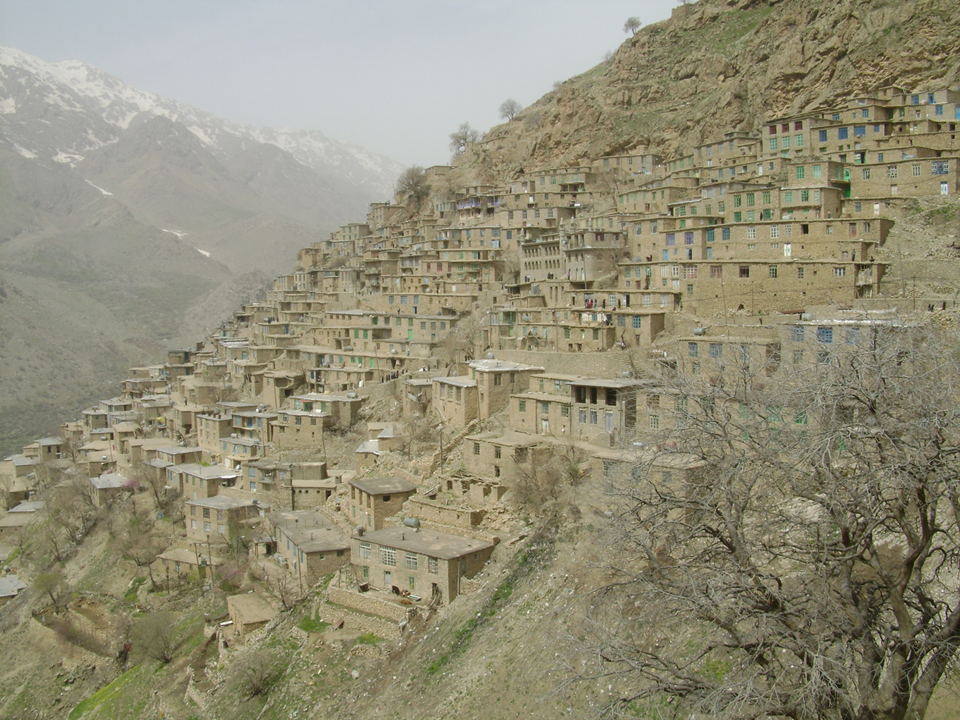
x=179, y=234
x=67, y=158
x=202, y=252
x=23, y=151
x=105, y=192
x=8, y=106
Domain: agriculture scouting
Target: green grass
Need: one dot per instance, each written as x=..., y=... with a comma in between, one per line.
x=369, y=639
x=463, y=636
x=309, y=624
x=105, y=695
x=131, y=594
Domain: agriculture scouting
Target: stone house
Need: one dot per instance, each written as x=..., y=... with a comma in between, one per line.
x=108, y=486
x=310, y=546
x=248, y=612
x=370, y=502
x=218, y=519
x=455, y=399
x=424, y=563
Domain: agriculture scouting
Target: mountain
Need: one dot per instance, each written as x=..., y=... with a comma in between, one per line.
x=64, y=110
x=718, y=65
x=121, y=211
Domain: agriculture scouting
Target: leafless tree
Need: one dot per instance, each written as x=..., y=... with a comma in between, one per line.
x=545, y=470
x=463, y=136
x=413, y=188
x=71, y=506
x=811, y=570
x=135, y=537
x=258, y=671
x=156, y=635
x=286, y=588
x=509, y=109
x=53, y=586
x=632, y=25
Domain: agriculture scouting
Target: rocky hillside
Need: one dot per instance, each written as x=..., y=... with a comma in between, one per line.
x=717, y=65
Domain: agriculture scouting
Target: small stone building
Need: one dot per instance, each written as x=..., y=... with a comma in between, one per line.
x=370, y=501
x=424, y=563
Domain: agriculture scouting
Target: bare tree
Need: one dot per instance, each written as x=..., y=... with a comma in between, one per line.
x=509, y=109
x=53, y=586
x=157, y=636
x=258, y=672
x=463, y=136
x=632, y=25
x=135, y=537
x=810, y=572
x=413, y=188
x=71, y=506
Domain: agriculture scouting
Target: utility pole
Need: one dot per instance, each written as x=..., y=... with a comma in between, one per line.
x=440, y=430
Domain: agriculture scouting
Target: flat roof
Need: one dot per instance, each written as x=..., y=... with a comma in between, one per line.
x=206, y=471
x=493, y=365
x=310, y=530
x=427, y=542
x=28, y=506
x=509, y=439
x=384, y=485
x=459, y=380
x=221, y=502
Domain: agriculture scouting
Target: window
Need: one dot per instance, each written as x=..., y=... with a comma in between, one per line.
x=940, y=167
x=839, y=271
x=866, y=173
x=693, y=349
x=825, y=334
x=843, y=133
x=725, y=233
x=799, y=273
x=915, y=169
x=365, y=551
x=716, y=351
x=796, y=333
x=636, y=321
x=411, y=561
x=822, y=135
x=853, y=336
x=206, y=527
x=744, y=271
x=891, y=171
x=433, y=566
x=522, y=406
x=653, y=422
x=476, y=448
x=773, y=271
x=388, y=556
x=774, y=232
x=716, y=272
x=774, y=143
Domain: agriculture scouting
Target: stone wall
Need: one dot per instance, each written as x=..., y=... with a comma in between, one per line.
x=369, y=604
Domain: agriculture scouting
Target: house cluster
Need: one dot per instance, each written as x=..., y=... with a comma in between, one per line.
x=538, y=301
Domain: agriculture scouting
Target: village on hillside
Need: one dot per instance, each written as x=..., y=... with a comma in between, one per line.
x=521, y=330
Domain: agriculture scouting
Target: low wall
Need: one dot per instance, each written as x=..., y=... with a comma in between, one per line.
x=429, y=511
x=369, y=604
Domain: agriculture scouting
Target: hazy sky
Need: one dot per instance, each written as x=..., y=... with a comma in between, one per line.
x=395, y=76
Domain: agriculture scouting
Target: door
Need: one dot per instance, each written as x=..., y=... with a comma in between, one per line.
x=387, y=579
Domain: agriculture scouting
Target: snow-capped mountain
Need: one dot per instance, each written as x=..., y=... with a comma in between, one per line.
x=62, y=111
